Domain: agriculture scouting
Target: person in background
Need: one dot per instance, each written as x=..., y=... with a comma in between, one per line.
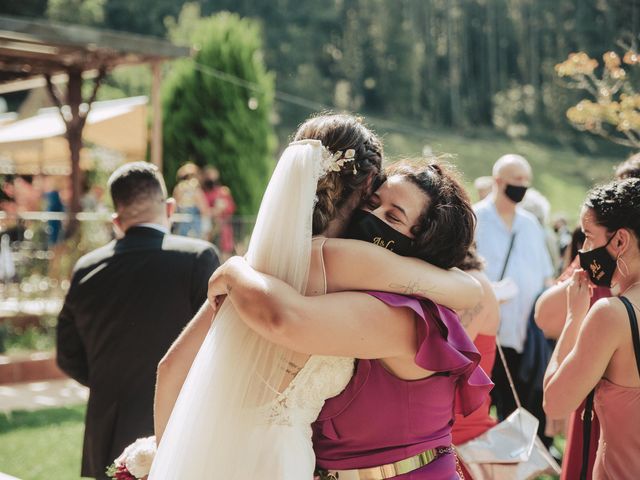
x=483, y=186
x=28, y=193
x=550, y=316
x=563, y=233
x=123, y=311
x=8, y=206
x=53, y=203
x=599, y=347
x=630, y=168
x=513, y=244
x=537, y=204
x=190, y=200
x=221, y=208
x=481, y=324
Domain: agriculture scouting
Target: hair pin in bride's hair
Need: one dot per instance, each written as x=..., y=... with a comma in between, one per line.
x=339, y=158
x=332, y=161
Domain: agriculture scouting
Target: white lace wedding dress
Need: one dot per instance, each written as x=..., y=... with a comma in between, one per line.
x=228, y=422
x=290, y=454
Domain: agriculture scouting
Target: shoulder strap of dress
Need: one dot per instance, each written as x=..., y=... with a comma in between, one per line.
x=633, y=321
x=324, y=271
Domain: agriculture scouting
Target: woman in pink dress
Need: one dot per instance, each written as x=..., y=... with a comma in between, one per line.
x=551, y=310
x=599, y=347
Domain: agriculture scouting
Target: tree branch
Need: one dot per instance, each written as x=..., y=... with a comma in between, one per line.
x=612, y=138
x=102, y=73
x=632, y=138
x=55, y=96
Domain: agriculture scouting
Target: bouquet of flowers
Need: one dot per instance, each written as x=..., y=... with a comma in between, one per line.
x=134, y=463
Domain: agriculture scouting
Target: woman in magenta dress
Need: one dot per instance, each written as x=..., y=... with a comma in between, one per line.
x=417, y=367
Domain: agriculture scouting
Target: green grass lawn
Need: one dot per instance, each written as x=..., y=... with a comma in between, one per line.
x=47, y=444
x=42, y=445
x=561, y=174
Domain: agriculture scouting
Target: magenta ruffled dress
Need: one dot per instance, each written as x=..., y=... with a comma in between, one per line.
x=379, y=418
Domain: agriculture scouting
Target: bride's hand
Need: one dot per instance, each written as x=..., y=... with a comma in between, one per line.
x=217, y=283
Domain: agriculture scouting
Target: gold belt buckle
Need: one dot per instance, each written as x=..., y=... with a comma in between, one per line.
x=390, y=470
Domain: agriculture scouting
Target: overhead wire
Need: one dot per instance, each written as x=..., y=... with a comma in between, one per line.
x=304, y=102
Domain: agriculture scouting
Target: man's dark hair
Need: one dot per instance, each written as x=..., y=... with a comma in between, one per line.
x=135, y=183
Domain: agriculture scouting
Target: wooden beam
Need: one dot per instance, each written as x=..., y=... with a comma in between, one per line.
x=156, y=132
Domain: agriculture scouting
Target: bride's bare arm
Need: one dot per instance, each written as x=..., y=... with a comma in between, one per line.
x=175, y=365
x=356, y=265
x=348, y=324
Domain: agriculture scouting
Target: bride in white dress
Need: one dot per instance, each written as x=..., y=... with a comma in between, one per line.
x=246, y=407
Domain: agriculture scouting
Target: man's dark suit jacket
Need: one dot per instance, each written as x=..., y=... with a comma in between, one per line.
x=128, y=301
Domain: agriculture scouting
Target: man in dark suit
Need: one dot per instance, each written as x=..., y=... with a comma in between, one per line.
x=127, y=303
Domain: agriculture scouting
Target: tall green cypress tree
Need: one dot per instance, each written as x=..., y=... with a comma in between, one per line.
x=211, y=118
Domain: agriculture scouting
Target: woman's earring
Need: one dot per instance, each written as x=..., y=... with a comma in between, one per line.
x=621, y=263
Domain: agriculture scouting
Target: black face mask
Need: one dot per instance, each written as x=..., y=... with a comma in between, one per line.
x=599, y=264
x=369, y=228
x=515, y=193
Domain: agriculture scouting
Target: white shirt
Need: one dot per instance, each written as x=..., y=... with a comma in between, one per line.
x=155, y=226
x=529, y=265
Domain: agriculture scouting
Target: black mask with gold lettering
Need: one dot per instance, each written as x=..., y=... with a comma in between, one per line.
x=599, y=264
x=369, y=228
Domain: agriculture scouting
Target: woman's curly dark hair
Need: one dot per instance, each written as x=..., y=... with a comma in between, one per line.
x=473, y=260
x=617, y=205
x=446, y=226
x=342, y=132
x=630, y=168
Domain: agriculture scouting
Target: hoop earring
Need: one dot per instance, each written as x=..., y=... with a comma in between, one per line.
x=620, y=262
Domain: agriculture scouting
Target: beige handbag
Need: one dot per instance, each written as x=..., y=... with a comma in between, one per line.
x=511, y=450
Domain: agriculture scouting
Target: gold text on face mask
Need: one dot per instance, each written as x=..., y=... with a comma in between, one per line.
x=382, y=243
x=596, y=270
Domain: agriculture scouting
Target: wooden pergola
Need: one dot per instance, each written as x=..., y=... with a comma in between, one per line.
x=32, y=50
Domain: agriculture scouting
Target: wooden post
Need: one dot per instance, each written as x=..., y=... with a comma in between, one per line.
x=74, y=137
x=156, y=132
x=74, y=123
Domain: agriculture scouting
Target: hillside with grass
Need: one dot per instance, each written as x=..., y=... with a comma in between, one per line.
x=561, y=174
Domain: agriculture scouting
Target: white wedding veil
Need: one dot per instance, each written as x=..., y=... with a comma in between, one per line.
x=237, y=374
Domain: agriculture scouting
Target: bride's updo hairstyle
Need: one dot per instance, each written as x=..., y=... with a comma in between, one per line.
x=445, y=229
x=616, y=205
x=335, y=189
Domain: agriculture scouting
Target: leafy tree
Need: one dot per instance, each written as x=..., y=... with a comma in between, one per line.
x=140, y=16
x=83, y=12
x=217, y=106
x=615, y=113
x=24, y=8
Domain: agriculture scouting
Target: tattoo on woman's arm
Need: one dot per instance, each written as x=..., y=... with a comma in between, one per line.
x=414, y=288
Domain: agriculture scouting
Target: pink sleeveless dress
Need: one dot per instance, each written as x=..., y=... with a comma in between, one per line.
x=379, y=418
x=618, y=408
